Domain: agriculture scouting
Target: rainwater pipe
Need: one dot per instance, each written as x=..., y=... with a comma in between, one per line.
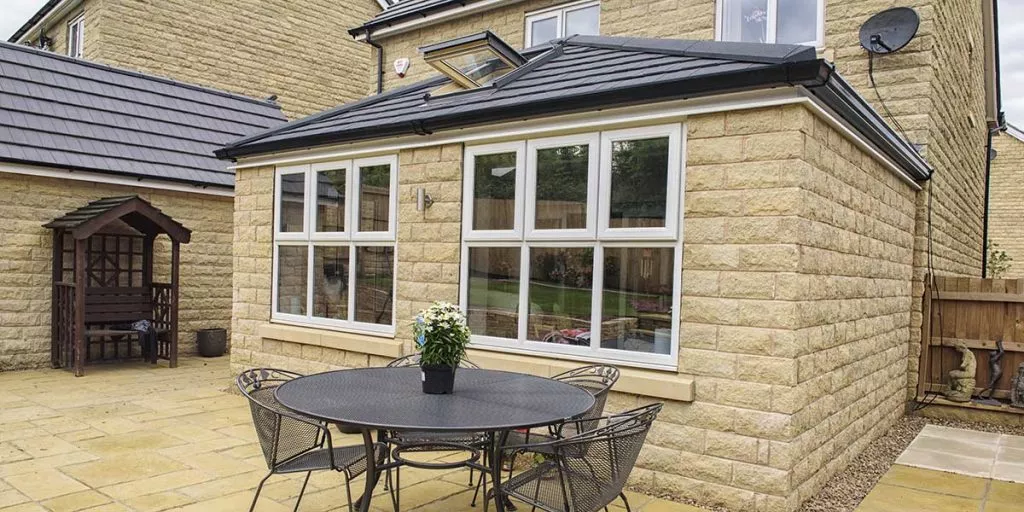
x=380, y=60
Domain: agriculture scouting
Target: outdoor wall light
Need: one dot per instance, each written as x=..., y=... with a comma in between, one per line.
x=423, y=200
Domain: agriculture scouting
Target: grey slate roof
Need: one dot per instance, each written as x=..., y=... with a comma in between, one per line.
x=56, y=111
x=584, y=73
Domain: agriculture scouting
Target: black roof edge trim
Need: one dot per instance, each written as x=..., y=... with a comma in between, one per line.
x=740, y=81
x=697, y=48
x=418, y=13
x=36, y=18
x=130, y=175
x=840, y=96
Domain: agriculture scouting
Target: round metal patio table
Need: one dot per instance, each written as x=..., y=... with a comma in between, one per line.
x=392, y=399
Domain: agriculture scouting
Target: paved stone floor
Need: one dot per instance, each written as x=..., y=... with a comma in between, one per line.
x=137, y=437
x=952, y=470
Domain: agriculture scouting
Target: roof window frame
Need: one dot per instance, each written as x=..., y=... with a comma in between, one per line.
x=437, y=55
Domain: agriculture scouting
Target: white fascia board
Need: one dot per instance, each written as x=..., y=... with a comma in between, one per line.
x=547, y=126
x=108, y=179
x=56, y=13
x=1014, y=132
x=438, y=17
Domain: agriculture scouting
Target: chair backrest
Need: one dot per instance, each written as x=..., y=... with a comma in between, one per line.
x=118, y=305
x=282, y=433
x=598, y=379
x=610, y=451
x=414, y=360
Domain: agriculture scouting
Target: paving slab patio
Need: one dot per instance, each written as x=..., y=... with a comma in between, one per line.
x=951, y=470
x=134, y=437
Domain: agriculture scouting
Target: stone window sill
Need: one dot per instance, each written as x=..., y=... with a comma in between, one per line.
x=349, y=342
x=648, y=383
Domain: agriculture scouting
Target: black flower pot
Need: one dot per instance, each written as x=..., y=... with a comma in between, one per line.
x=212, y=342
x=438, y=379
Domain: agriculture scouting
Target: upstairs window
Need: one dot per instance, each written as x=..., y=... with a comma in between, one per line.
x=772, y=21
x=583, y=18
x=76, y=37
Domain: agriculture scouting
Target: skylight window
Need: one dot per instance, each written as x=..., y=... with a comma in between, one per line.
x=473, y=61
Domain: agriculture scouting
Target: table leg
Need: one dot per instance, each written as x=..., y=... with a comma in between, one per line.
x=363, y=503
x=498, y=440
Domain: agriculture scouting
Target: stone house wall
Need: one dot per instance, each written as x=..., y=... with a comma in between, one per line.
x=26, y=257
x=299, y=51
x=1006, y=201
x=933, y=92
x=796, y=301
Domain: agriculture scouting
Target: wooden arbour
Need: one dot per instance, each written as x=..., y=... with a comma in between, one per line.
x=103, y=283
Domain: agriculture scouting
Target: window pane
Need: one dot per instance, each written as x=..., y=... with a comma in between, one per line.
x=639, y=183
x=797, y=21
x=374, y=198
x=493, y=293
x=560, y=291
x=583, y=21
x=293, y=193
x=375, y=284
x=494, y=191
x=562, y=175
x=330, y=200
x=291, y=279
x=542, y=31
x=330, y=282
x=745, y=20
x=636, y=303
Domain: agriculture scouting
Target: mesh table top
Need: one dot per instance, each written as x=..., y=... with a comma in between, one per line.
x=392, y=398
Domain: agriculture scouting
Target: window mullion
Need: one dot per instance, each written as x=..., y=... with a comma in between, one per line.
x=352, y=266
x=597, y=297
x=309, y=279
x=524, y=293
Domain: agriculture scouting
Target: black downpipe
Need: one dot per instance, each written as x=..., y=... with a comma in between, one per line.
x=380, y=61
x=984, y=220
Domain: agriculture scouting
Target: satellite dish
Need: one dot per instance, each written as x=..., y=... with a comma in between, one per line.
x=889, y=31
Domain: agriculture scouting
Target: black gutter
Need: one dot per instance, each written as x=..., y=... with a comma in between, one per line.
x=989, y=157
x=382, y=21
x=39, y=15
x=380, y=62
x=817, y=76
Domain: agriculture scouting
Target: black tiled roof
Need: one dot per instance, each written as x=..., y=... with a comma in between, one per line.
x=56, y=111
x=584, y=73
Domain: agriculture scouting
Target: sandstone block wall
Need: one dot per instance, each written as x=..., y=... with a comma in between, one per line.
x=299, y=51
x=26, y=252
x=796, y=302
x=1006, y=201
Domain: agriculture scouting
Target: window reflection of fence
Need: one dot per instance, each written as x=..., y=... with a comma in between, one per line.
x=374, y=209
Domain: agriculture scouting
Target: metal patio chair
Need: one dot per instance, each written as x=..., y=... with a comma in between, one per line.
x=584, y=472
x=598, y=379
x=294, y=443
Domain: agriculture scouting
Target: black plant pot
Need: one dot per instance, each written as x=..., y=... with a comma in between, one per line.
x=212, y=342
x=438, y=380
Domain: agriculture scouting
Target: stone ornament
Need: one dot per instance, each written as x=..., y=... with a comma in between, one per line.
x=1017, y=389
x=961, y=381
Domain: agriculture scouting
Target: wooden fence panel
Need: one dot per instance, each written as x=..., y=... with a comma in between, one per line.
x=976, y=312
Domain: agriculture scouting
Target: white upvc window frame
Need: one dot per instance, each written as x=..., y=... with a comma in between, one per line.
x=675, y=148
x=76, y=36
x=469, y=181
x=527, y=239
x=351, y=238
x=772, y=22
x=593, y=154
x=558, y=13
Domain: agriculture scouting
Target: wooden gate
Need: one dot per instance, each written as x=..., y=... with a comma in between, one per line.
x=977, y=312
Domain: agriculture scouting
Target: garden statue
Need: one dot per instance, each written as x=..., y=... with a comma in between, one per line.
x=995, y=369
x=1017, y=389
x=961, y=382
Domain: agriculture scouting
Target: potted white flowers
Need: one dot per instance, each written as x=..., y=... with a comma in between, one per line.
x=442, y=335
